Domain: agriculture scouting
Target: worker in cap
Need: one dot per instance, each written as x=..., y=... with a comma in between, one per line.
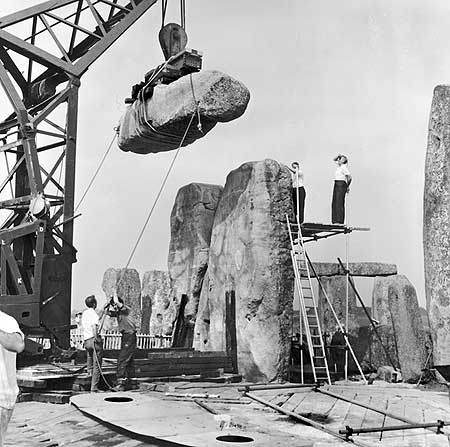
x=298, y=191
x=128, y=328
x=342, y=181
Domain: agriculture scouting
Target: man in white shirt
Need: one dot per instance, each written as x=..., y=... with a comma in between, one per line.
x=298, y=191
x=342, y=180
x=92, y=341
x=11, y=343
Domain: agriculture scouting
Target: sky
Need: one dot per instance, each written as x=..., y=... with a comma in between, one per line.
x=326, y=77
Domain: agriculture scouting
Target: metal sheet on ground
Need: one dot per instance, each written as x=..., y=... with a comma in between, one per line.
x=180, y=423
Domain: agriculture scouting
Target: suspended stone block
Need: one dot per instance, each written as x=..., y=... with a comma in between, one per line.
x=159, y=123
x=191, y=224
x=127, y=284
x=396, y=308
x=436, y=224
x=155, y=300
x=250, y=254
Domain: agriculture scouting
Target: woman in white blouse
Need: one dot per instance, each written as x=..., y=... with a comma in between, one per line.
x=298, y=191
x=342, y=180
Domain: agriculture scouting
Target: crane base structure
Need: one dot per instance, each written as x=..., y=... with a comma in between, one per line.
x=38, y=141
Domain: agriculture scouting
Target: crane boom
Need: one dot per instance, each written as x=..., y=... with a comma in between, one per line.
x=39, y=141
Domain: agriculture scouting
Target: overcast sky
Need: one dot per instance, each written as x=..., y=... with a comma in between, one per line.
x=354, y=76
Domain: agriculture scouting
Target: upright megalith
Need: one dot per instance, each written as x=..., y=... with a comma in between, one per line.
x=336, y=290
x=155, y=300
x=396, y=308
x=436, y=224
x=127, y=284
x=250, y=254
x=191, y=224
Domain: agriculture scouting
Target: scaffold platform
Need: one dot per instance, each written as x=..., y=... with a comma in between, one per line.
x=313, y=231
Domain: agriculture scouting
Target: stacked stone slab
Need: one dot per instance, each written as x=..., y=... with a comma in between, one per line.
x=250, y=254
x=191, y=224
x=127, y=284
x=366, y=269
x=396, y=308
x=436, y=224
x=155, y=300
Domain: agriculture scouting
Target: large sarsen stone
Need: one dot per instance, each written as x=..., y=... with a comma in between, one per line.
x=155, y=300
x=396, y=308
x=436, y=224
x=127, y=284
x=159, y=123
x=191, y=224
x=250, y=254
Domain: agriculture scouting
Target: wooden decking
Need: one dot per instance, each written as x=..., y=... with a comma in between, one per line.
x=407, y=402
x=47, y=425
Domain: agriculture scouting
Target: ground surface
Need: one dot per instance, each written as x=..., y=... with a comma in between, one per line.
x=47, y=425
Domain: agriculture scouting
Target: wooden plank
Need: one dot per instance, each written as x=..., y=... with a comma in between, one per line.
x=294, y=402
x=281, y=399
x=338, y=412
x=396, y=406
x=317, y=405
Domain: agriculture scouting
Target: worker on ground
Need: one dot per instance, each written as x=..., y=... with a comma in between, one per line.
x=298, y=191
x=337, y=351
x=11, y=343
x=342, y=181
x=127, y=327
x=92, y=341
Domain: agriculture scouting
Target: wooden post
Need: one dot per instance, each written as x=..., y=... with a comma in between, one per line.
x=230, y=328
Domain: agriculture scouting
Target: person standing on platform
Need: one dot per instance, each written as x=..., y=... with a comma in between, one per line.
x=342, y=181
x=92, y=341
x=298, y=191
x=128, y=329
x=11, y=344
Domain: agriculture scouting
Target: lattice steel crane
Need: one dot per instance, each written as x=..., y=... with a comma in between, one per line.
x=39, y=144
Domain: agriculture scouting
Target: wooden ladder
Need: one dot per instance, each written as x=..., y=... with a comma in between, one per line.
x=308, y=305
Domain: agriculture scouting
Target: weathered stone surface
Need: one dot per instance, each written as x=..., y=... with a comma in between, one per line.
x=396, y=308
x=191, y=224
x=220, y=99
x=249, y=254
x=127, y=284
x=335, y=288
x=436, y=224
x=155, y=300
x=370, y=269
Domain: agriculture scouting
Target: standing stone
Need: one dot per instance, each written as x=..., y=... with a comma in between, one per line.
x=127, y=284
x=335, y=288
x=250, y=254
x=436, y=224
x=191, y=224
x=155, y=300
x=396, y=308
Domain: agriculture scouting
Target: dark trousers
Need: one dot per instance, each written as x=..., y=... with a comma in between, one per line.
x=301, y=202
x=125, y=362
x=338, y=204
